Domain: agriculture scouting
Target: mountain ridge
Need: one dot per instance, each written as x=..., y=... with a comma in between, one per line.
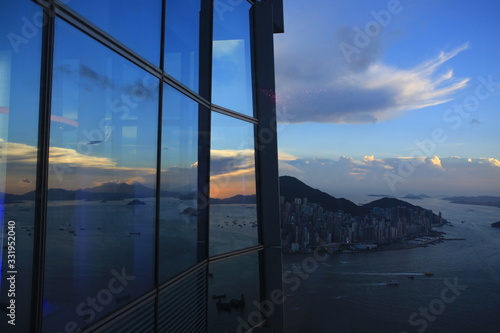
x=292, y=188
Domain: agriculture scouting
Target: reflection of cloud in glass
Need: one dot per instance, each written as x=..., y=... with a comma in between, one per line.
x=69, y=162
x=231, y=161
x=24, y=181
x=232, y=173
x=228, y=49
x=86, y=72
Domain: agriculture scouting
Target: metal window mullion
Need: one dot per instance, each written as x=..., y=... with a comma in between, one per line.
x=40, y=227
x=158, y=169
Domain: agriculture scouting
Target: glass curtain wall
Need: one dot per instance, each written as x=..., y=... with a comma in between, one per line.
x=234, y=283
x=128, y=152
x=20, y=58
x=102, y=181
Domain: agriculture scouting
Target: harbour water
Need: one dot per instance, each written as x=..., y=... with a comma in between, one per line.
x=349, y=293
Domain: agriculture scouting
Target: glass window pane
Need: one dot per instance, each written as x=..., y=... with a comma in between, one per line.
x=233, y=210
x=102, y=182
x=182, y=41
x=233, y=291
x=232, y=61
x=179, y=181
x=142, y=32
x=19, y=103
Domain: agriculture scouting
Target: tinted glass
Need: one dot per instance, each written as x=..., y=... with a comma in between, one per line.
x=233, y=211
x=19, y=100
x=179, y=181
x=234, y=294
x=182, y=41
x=232, y=61
x=101, y=207
x=141, y=32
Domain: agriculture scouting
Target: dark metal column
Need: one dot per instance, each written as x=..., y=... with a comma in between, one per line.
x=267, y=161
x=42, y=170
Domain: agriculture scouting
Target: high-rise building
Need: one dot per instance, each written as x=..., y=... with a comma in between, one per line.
x=138, y=166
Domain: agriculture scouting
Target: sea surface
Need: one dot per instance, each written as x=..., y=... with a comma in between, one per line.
x=348, y=292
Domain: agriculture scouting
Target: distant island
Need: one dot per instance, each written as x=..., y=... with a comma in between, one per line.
x=483, y=200
x=136, y=202
x=237, y=199
x=416, y=196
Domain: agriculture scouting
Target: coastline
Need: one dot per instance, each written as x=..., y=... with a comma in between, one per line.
x=434, y=238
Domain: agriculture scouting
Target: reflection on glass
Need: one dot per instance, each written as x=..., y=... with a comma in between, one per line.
x=179, y=181
x=232, y=61
x=182, y=41
x=141, y=33
x=233, y=291
x=19, y=91
x=101, y=199
x=233, y=211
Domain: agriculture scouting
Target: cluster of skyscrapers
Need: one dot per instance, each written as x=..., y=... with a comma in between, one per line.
x=306, y=225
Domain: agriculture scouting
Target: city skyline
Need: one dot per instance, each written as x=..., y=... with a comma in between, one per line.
x=390, y=96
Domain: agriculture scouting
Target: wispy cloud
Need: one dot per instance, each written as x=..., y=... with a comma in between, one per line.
x=67, y=166
x=319, y=89
x=232, y=172
x=227, y=49
x=432, y=175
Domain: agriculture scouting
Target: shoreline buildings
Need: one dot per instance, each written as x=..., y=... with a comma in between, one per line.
x=307, y=225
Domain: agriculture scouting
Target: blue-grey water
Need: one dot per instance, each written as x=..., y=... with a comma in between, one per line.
x=348, y=292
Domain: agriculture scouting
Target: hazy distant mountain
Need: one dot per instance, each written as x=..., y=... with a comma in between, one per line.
x=124, y=190
x=483, y=200
x=9, y=198
x=388, y=203
x=106, y=191
x=292, y=188
x=237, y=199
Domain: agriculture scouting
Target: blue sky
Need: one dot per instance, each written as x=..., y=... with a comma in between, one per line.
x=390, y=96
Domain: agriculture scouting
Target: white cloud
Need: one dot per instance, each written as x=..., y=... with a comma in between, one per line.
x=434, y=161
x=227, y=48
x=66, y=167
x=431, y=175
x=316, y=83
x=376, y=93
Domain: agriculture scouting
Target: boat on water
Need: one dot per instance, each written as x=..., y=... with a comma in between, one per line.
x=392, y=283
x=428, y=274
x=411, y=277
